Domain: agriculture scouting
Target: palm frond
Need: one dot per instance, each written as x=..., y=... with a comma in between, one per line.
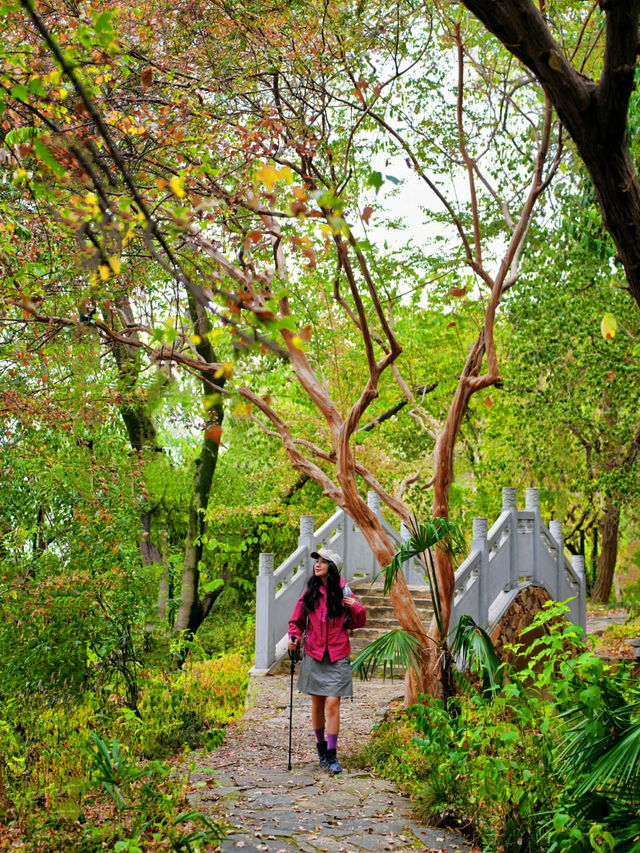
x=475, y=650
x=436, y=533
x=396, y=649
x=617, y=770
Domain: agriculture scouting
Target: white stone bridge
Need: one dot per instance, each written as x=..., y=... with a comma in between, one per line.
x=518, y=551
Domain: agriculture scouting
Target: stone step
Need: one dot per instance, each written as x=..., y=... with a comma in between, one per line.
x=386, y=614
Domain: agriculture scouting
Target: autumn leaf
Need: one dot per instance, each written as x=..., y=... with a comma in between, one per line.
x=242, y=410
x=366, y=214
x=214, y=432
x=609, y=327
x=147, y=77
x=488, y=402
x=225, y=370
x=268, y=175
x=457, y=292
x=310, y=255
x=175, y=185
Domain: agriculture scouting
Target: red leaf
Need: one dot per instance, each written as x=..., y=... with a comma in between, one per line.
x=214, y=432
x=457, y=291
x=366, y=215
x=488, y=402
x=147, y=77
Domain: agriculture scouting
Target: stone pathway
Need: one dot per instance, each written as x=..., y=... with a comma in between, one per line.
x=247, y=783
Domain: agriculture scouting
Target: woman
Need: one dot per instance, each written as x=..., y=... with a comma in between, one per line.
x=324, y=614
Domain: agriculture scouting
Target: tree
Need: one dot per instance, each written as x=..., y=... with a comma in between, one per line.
x=233, y=219
x=594, y=113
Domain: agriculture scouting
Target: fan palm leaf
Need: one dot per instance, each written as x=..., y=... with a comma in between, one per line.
x=434, y=533
x=474, y=649
x=396, y=649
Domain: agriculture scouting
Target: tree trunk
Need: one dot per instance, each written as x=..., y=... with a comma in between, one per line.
x=608, y=555
x=595, y=114
x=401, y=599
x=193, y=609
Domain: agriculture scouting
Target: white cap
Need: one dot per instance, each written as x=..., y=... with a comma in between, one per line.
x=329, y=556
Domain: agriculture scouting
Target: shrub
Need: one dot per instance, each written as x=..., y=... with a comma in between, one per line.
x=550, y=762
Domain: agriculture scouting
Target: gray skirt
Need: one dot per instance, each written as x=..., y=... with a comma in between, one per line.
x=323, y=678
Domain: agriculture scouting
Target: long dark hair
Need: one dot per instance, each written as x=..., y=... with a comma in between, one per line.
x=334, y=592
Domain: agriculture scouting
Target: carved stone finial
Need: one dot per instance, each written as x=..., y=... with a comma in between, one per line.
x=480, y=528
x=266, y=564
x=508, y=498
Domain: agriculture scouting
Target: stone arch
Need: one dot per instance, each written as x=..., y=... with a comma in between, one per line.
x=517, y=618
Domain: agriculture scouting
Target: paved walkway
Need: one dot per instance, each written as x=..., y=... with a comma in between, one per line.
x=246, y=781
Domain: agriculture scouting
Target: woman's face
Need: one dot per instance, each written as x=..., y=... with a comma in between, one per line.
x=321, y=569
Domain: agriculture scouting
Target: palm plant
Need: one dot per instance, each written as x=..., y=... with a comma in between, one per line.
x=474, y=650
x=398, y=649
x=599, y=758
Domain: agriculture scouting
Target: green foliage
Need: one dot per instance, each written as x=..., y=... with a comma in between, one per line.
x=396, y=649
x=189, y=708
x=435, y=533
x=547, y=762
x=473, y=649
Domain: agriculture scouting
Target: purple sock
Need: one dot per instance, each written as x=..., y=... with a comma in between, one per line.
x=332, y=741
x=319, y=733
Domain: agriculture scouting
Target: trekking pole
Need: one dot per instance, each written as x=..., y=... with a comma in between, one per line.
x=294, y=657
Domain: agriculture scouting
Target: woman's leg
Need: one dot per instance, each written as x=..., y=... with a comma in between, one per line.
x=332, y=714
x=317, y=711
x=318, y=722
x=333, y=729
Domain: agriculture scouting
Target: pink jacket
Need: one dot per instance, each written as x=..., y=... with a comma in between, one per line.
x=323, y=633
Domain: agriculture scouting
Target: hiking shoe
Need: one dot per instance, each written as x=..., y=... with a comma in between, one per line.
x=333, y=765
x=322, y=754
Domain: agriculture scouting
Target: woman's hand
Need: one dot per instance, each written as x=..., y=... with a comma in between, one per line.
x=294, y=644
x=349, y=601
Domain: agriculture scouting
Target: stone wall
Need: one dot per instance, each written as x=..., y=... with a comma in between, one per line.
x=517, y=618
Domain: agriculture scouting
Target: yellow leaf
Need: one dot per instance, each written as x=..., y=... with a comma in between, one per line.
x=196, y=339
x=555, y=61
x=225, y=370
x=268, y=175
x=609, y=327
x=242, y=410
x=175, y=185
x=104, y=271
x=115, y=264
x=297, y=342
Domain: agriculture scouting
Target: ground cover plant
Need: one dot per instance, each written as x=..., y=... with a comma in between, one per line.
x=547, y=760
x=87, y=770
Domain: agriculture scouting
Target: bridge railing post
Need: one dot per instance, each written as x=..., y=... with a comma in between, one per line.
x=532, y=505
x=411, y=575
x=265, y=597
x=306, y=539
x=577, y=562
x=509, y=505
x=479, y=543
x=555, y=528
x=373, y=502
